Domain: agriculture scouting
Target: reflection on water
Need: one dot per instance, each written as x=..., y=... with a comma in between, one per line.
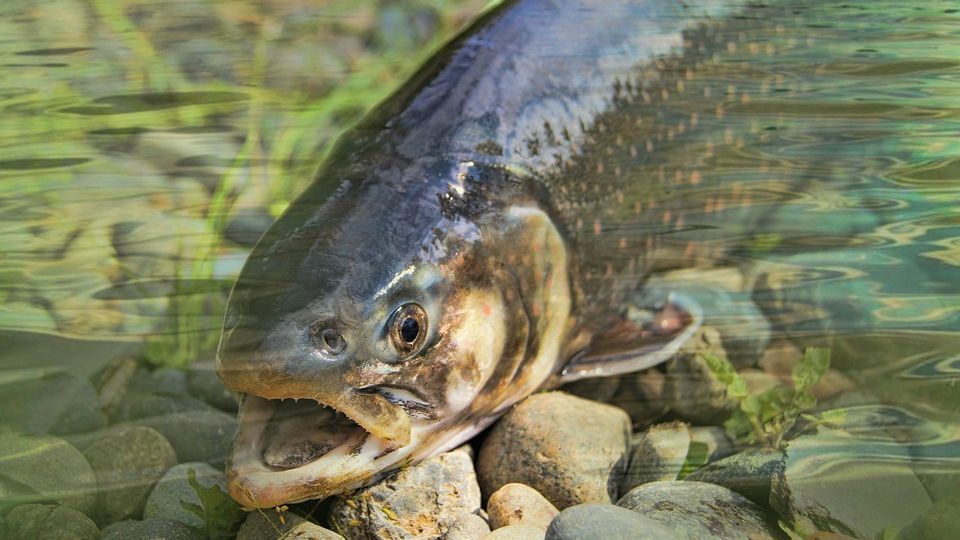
x=142, y=148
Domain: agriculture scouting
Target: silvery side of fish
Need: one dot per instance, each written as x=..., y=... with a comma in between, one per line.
x=484, y=233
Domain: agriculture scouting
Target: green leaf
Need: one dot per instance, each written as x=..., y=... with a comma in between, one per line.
x=221, y=515
x=737, y=388
x=808, y=371
x=721, y=368
x=697, y=455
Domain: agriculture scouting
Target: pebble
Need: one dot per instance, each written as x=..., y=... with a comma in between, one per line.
x=699, y=511
x=49, y=401
x=832, y=481
x=714, y=442
x=419, y=501
x=45, y=468
x=515, y=504
x=205, y=384
x=565, y=447
x=778, y=360
x=656, y=454
x=127, y=462
x=598, y=520
x=692, y=391
x=154, y=529
x=173, y=491
x=306, y=530
x=641, y=396
x=49, y=522
x=516, y=532
x=168, y=380
x=468, y=527
x=205, y=436
x=748, y=473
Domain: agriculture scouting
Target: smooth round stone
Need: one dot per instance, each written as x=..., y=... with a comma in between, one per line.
x=174, y=491
x=49, y=522
x=515, y=504
x=516, y=532
x=691, y=389
x=420, y=501
x=699, y=511
x=656, y=454
x=128, y=462
x=266, y=524
x=565, y=447
x=157, y=528
x=49, y=401
x=45, y=468
x=205, y=384
x=306, y=530
x=748, y=473
x=597, y=520
x=468, y=527
x=205, y=435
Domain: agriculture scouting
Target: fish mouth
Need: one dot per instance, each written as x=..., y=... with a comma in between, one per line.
x=291, y=449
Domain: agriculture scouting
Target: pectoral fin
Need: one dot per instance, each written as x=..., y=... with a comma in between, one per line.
x=644, y=336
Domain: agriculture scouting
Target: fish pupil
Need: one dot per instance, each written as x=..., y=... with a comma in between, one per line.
x=409, y=329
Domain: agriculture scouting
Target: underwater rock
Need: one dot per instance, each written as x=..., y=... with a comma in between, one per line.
x=161, y=392
x=49, y=401
x=246, y=225
x=714, y=442
x=692, y=391
x=656, y=454
x=306, y=530
x=420, y=501
x=157, y=528
x=127, y=462
x=49, y=522
x=205, y=384
x=833, y=482
x=748, y=473
x=468, y=527
x=569, y=449
x=168, y=380
x=641, y=396
x=515, y=504
x=516, y=532
x=607, y=521
x=697, y=510
x=264, y=524
x=173, y=491
x=45, y=468
x=196, y=436
x=778, y=360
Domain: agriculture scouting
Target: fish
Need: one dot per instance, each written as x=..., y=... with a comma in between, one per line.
x=484, y=233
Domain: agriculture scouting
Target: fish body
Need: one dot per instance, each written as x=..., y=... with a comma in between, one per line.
x=478, y=236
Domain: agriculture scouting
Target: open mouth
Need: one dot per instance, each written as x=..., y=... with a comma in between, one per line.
x=303, y=431
x=288, y=450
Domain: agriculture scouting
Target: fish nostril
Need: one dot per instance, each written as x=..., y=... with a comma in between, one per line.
x=332, y=342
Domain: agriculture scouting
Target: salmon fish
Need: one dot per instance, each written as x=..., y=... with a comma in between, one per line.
x=484, y=233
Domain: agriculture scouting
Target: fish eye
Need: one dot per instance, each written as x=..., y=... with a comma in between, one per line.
x=408, y=328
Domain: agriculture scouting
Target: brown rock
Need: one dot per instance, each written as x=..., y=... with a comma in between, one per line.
x=569, y=449
x=516, y=532
x=515, y=504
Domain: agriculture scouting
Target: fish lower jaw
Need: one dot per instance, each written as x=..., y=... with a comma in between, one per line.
x=289, y=450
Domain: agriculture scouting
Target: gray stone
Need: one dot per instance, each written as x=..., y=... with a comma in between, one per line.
x=266, y=525
x=150, y=529
x=205, y=436
x=137, y=404
x=173, y=491
x=748, y=473
x=306, y=530
x=127, y=462
x=714, y=440
x=692, y=391
x=169, y=381
x=516, y=532
x=43, y=468
x=49, y=401
x=468, y=527
x=205, y=384
x=49, y=522
x=605, y=521
x=834, y=482
x=596, y=389
x=656, y=454
x=420, y=501
x=699, y=511
x=515, y=504
x=569, y=449
x=941, y=521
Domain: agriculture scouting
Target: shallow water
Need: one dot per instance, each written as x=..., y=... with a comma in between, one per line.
x=143, y=148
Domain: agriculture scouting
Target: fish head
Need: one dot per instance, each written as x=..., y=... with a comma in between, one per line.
x=370, y=334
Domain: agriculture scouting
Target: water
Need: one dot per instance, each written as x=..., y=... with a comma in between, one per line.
x=143, y=147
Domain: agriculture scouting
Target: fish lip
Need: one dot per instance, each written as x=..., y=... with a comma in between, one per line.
x=352, y=463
